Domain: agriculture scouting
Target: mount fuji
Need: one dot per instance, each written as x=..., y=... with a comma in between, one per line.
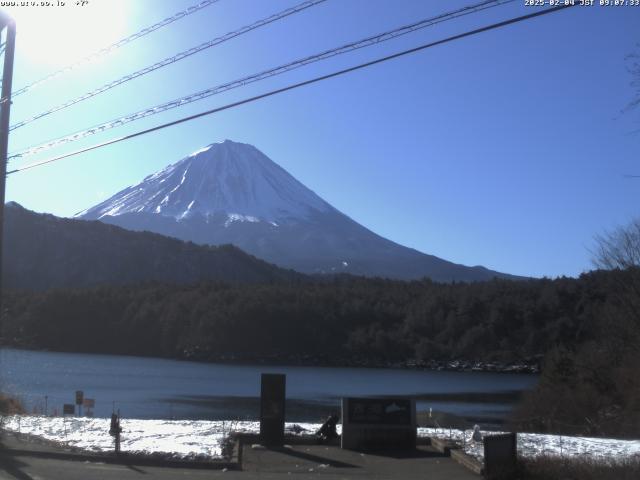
x=231, y=193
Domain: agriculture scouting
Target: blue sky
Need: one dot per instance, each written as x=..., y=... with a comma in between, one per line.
x=506, y=149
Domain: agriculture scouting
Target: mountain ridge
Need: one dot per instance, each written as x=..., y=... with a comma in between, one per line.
x=230, y=192
x=42, y=251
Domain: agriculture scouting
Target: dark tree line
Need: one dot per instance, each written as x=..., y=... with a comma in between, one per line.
x=342, y=319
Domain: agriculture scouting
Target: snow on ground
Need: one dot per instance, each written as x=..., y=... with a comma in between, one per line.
x=182, y=439
x=177, y=438
x=536, y=444
x=203, y=438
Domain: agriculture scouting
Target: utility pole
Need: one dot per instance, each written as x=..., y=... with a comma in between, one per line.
x=8, y=27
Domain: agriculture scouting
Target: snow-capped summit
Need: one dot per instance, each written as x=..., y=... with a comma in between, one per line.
x=231, y=192
x=226, y=178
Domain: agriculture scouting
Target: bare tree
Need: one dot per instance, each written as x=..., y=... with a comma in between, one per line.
x=619, y=248
x=633, y=67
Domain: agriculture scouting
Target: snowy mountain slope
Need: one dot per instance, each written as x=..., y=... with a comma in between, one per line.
x=228, y=178
x=230, y=192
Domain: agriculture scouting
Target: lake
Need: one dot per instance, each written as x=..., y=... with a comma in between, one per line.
x=159, y=388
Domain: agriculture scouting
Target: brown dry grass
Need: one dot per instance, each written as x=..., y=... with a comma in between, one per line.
x=10, y=405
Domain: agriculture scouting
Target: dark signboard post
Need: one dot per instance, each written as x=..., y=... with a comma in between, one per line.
x=272, y=401
x=67, y=409
x=79, y=399
x=500, y=456
x=379, y=423
x=115, y=429
x=88, y=405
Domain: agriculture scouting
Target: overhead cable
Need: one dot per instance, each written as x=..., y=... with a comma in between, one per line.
x=366, y=42
x=294, y=86
x=170, y=60
x=114, y=46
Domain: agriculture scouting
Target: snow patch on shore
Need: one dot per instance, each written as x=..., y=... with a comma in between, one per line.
x=537, y=444
x=175, y=438
x=203, y=438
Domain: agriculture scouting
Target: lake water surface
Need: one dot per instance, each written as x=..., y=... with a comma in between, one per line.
x=158, y=388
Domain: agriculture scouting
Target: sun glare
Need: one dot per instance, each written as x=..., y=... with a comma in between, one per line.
x=56, y=32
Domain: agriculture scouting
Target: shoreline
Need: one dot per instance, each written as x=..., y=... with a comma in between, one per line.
x=525, y=366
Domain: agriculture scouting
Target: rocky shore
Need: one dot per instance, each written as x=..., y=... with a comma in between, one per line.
x=529, y=365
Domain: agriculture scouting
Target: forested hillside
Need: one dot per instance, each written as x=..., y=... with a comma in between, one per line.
x=43, y=251
x=339, y=320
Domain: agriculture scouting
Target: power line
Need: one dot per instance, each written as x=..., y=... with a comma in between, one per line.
x=120, y=43
x=296, y=85
x=173, y=59
x=369, y=41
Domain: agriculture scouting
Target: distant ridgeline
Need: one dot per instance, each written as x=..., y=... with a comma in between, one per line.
x=43, y=251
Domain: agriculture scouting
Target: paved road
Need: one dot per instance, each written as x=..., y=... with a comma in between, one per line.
x=302, y=461
x=31, y=468
x=299, y=461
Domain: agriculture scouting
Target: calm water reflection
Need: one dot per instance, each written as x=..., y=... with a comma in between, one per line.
x=159, y=388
